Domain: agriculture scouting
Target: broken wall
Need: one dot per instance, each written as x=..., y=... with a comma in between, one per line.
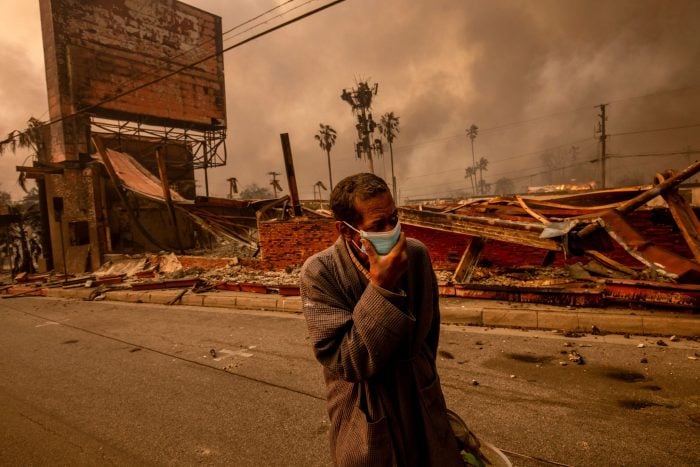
x=289, y=243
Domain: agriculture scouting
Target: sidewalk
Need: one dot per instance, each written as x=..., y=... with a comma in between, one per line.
x=473, y=312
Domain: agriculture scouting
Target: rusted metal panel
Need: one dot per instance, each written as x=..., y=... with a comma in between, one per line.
x=134, y=176
x=666, y=263
x=523, y=233
x=653, y=293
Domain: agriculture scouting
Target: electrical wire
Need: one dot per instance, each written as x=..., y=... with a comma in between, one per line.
x=655, y=154
x=654, y=130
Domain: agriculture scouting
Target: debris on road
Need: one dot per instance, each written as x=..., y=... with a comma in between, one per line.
x=576, y=357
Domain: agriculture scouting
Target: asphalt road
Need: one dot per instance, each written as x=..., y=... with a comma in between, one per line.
x=97, y=383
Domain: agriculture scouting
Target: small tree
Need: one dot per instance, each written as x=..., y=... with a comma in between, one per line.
x=22, y=234
x=254, y=191
x=504, y=186
x=326, y=139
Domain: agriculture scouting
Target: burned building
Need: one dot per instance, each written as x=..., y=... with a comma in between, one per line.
x=137, y=104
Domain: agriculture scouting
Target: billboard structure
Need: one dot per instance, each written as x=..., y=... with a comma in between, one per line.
x=95, y=51
x=142, y=79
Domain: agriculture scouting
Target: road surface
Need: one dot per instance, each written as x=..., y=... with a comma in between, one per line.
x=108, y=383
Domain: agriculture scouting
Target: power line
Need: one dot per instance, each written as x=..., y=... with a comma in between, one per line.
x=654, y=130
x=555, y=114
x=186, y=67
x=656, y=154
x=532, y=153
x=266, y=21
x=652, y=94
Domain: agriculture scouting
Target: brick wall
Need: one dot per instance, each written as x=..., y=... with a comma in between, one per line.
x=289, y=243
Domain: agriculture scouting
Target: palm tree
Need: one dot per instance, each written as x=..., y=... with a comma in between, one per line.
x=32, y=138
x=389, y=128
x=326, y=139
x=470, y=173
x=472, y=131
x=481, y=166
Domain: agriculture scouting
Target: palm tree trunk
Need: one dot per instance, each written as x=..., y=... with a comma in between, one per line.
x=371, y=163
x=473, y=157
x=330, y=176
x=481, y=181
x=393, y=178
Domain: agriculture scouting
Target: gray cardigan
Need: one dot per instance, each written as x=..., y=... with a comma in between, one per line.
x=378, y=352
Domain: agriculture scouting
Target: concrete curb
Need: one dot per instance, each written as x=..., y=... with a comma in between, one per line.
x=246, y=300
x=473, y=312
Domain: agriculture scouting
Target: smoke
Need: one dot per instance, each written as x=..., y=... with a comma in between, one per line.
x=529, y=74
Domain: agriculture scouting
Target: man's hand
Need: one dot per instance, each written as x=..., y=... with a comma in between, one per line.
x=386, y=271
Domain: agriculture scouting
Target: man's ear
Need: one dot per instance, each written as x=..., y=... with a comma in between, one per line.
x=344, y=230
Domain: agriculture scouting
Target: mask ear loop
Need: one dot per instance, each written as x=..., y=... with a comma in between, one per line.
x=353, y=228
x=361, y=248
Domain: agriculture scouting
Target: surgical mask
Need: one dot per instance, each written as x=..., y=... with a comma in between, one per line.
x=383, y=242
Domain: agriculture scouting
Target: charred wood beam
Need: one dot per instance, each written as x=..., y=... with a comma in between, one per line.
x=664, y=187
x=611, y=263
x=686, y=220
x=522, y=233
x=262, y=212
x=163, y=171
x=532, y=212
x=470, y=258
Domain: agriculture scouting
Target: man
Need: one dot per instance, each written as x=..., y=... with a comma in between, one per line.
x=371, y=306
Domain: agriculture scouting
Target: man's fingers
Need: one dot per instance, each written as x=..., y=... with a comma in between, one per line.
x=369, y=248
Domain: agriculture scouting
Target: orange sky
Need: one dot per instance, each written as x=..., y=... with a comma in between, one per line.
x=441, y=66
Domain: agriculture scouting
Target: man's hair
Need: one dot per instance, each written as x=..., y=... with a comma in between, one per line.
x=359, y=186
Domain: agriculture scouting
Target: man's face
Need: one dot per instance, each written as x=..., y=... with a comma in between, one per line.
x=377, y=214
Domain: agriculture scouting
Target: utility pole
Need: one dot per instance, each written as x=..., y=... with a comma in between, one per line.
x=603, y=137
x=275, y=183
x=574, y=156
x=360, y=101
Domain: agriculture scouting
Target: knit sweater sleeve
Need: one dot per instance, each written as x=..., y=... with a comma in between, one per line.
x=353, y=341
